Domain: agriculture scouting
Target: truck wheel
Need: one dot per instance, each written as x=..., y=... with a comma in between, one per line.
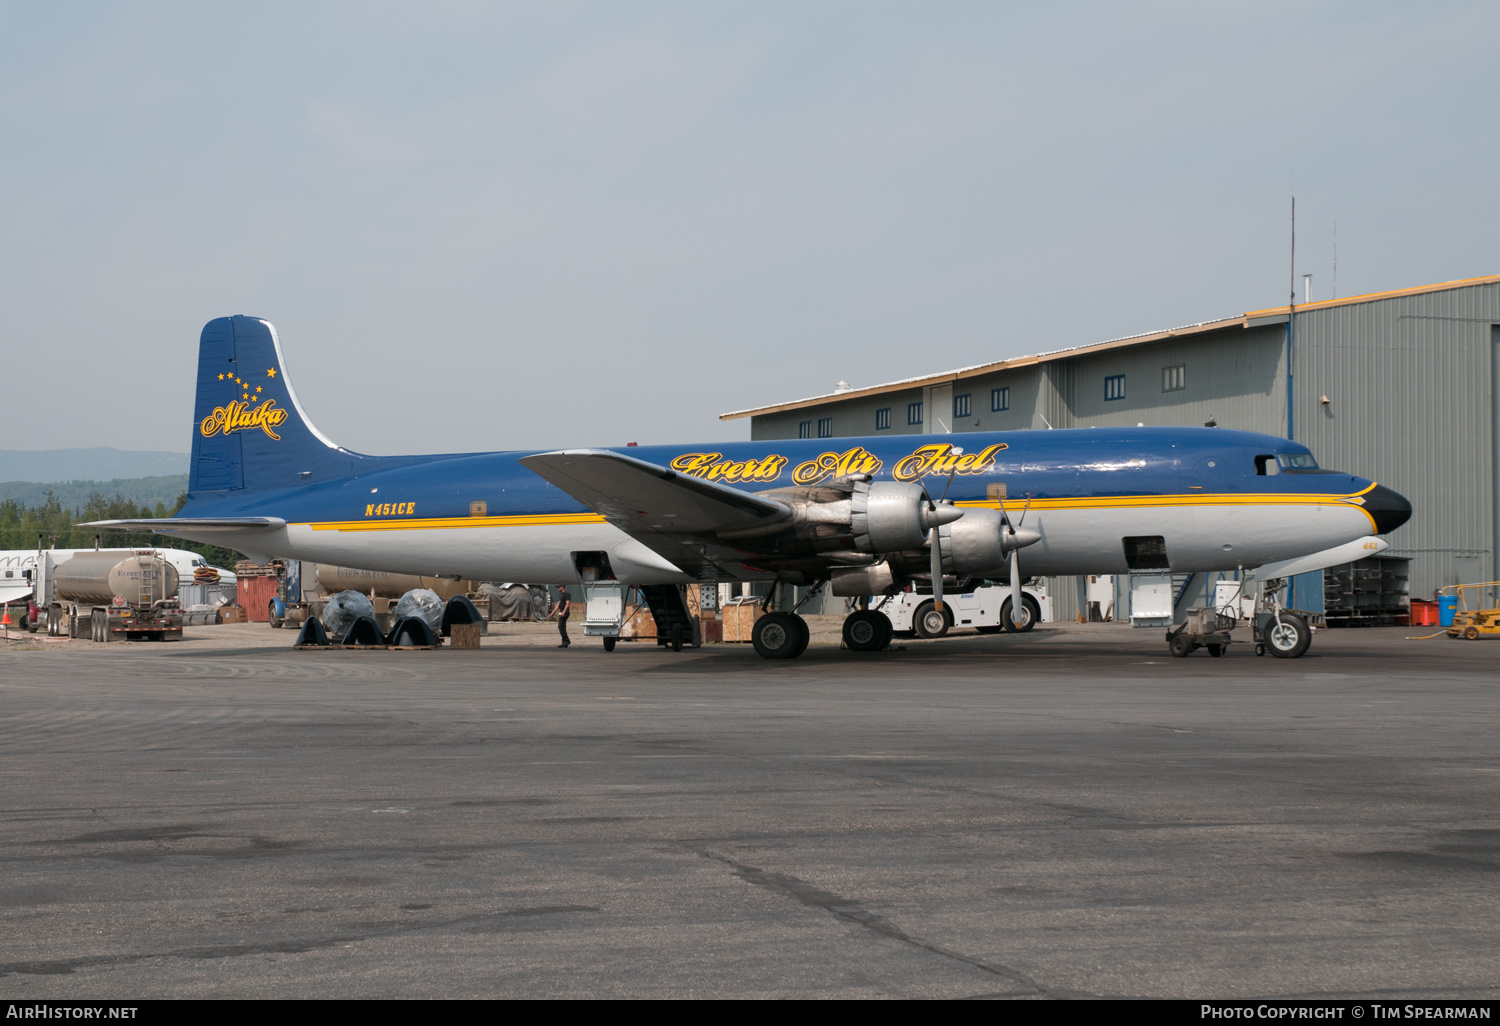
x=1215, y=650
x=275, y=620
x=930, y=623
x=1289, y=637
x=1030, y=614
x=1472, y=633
x=609, y=643
x=1181, y=646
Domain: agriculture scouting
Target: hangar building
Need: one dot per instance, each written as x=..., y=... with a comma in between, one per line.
x=1401, y=387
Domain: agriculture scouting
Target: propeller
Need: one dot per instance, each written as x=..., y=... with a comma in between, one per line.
x=1016, y=540
x=934, y=540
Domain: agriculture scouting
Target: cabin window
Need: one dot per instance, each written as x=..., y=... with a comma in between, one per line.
x=961, y=406
x=825, y=427
x=999, y=399
x=1146, y=553
x=1114, y=387
x=1265, y=465
x=914, y=413
x=1297, y=461
x=883, y=419
x=804, y=429
x=1174, y=379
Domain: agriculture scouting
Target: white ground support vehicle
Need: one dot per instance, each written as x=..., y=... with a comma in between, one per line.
x=984, y=605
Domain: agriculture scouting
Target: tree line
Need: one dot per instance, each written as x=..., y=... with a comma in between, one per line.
x=58, y=527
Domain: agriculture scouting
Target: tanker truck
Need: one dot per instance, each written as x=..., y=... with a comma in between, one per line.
x=109, y=595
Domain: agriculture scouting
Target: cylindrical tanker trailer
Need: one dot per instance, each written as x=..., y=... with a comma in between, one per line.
x=113, y=594
x=334, y=579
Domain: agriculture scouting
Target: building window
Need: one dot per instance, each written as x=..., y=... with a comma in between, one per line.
x=882, y=419
x=804, y=429
x=999, y=399
x=960, y=406
x=1174, y=378
x=914, y=413
x=1114, y=387
x=825, y=427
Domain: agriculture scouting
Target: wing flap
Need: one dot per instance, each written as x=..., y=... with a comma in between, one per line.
x=171, y=524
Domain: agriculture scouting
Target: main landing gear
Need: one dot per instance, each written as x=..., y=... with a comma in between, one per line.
x=780, y=636
x=867, y=630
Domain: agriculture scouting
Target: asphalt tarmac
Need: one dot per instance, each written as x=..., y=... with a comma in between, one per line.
x=1061, y=814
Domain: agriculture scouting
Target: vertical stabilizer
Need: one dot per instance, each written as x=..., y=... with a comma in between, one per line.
x=249, y=431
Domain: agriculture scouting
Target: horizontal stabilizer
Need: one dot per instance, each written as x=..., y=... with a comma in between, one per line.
x=171, y=524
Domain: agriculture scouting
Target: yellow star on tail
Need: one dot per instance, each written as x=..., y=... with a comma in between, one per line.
x=271, y=372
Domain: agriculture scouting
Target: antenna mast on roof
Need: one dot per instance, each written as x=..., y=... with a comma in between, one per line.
x=1335, y=258
x=1291, y=314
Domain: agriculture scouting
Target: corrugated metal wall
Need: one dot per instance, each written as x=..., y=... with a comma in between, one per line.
x=1411, y=389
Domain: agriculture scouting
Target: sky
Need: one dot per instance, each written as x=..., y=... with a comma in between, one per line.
x=492, y=226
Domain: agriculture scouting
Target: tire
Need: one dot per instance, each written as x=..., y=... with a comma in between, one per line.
x=677, y=637
x=1181, y=646
x=1260, y=650
x=887, y=632
x=1215, y=650
x=864, y=632
x=271, y=616
x=930, y=623
x=1288, y=638
x=1031, y=613
x=609, y=644
x=775, y=636
x=804, y=635
x=1471, y=633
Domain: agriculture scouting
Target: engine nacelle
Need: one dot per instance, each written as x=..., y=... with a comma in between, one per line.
x=980, y=543
x=892, y=516
x=974, y=544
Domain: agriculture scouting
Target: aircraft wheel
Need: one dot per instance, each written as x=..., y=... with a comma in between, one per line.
x=1181, y=646
x=887, y=631
x=609, y=644
x=1289, y=637
x=1472, y=633
x=804, y=635
x=1215, y=650
x=1030, y=614
x=775, y=636
x=930, y=623
x=677, y=637
x=863, y=631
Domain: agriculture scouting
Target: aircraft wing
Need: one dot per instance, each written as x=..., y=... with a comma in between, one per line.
x=193, y=523
x=663, y=509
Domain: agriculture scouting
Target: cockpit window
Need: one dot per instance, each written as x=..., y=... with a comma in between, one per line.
x=1297, y=461
x=1265, y=464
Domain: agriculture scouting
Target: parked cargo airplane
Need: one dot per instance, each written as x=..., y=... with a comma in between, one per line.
x=864, y=515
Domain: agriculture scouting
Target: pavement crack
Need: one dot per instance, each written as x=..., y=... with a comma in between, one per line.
x=480, y=922
x=852, y=911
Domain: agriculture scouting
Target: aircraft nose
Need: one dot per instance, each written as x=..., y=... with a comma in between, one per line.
x=1389, y=508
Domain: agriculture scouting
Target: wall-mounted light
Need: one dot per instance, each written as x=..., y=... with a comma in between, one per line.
x=1323, y=400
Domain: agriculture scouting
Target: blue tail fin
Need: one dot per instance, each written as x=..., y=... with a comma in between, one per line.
x=248, y=429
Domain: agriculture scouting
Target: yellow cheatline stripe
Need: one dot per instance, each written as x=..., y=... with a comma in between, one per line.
x=448, y=523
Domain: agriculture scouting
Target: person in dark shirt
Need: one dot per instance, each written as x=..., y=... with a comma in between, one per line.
x=561, y=610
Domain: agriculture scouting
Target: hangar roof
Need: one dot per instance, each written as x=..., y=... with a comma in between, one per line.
x=1254, y=318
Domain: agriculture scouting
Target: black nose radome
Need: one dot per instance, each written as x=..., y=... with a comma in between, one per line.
x=1389, y=508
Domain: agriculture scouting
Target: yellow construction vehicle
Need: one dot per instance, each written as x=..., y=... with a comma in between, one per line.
x=1471, y=623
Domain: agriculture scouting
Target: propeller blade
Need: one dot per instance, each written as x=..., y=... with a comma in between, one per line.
x=1015, y=587
x=937, y=569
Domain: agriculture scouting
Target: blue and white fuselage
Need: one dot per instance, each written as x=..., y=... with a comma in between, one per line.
x=266, y=482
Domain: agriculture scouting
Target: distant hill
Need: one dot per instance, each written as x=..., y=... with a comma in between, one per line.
x=102, y=464
x=73, y=494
